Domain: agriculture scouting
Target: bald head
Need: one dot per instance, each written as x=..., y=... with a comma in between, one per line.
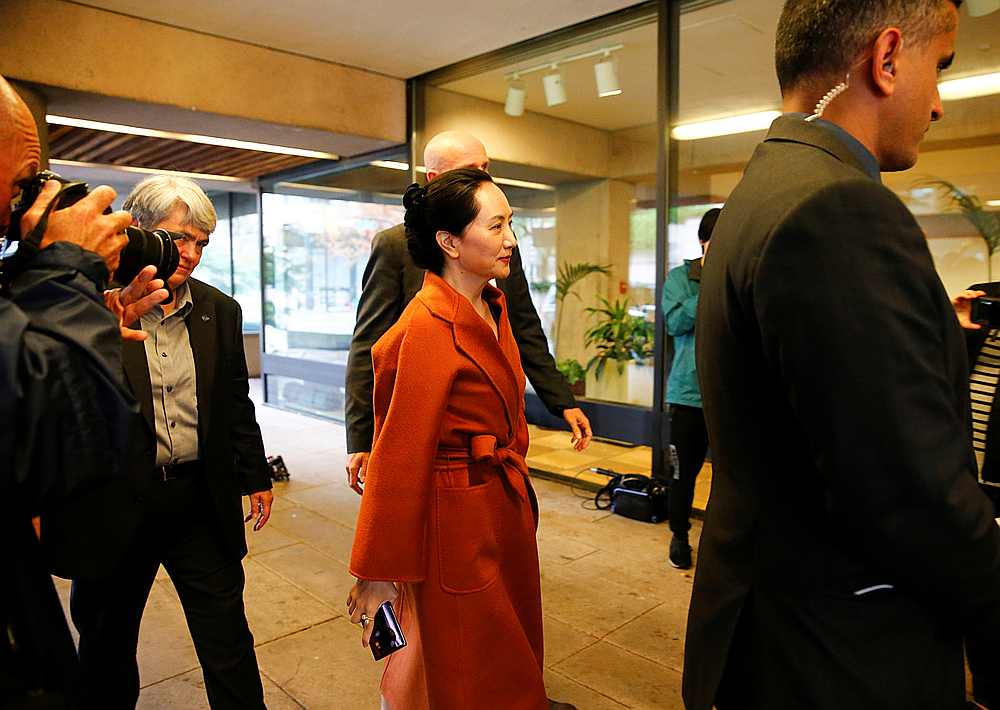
x=451, y=150
x=20, y=152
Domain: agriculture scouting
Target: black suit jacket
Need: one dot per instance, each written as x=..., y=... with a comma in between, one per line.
x=390, y=281
x=229, y=440
x=834, y=378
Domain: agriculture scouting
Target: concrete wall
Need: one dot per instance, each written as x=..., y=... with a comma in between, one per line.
x=71, y=46
x=532, y=139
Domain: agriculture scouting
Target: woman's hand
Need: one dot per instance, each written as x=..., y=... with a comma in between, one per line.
x=962, y=303
x=363, y=601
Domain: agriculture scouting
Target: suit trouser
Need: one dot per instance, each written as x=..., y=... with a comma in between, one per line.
x=178, y=531
x=689, y=435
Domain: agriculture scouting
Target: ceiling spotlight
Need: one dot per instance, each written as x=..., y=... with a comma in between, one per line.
x=978, y=8
x=555, y=91
x=514, y=106
x=606, y=74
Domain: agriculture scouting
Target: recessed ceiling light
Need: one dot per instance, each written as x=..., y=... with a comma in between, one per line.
x=144, y=171
x=391, y=164
x=969, y=87
x=188, y=137
x=728, y=125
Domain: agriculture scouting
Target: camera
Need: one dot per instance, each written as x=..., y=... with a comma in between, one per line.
x=986, y=311
x=144, y=247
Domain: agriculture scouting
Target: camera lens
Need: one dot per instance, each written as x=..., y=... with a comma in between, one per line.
x=148, y=247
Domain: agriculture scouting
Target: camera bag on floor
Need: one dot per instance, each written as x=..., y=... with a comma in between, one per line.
x=634, y=496
x=279, y=472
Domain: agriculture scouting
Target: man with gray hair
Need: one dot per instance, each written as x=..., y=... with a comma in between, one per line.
x=199, y=452
x=847, y=548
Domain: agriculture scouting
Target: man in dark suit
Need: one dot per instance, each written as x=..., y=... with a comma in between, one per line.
x=391, y=280
x=847, y=548
x=198, y=452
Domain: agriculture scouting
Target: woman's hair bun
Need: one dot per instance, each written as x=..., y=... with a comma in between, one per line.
x=415, y=196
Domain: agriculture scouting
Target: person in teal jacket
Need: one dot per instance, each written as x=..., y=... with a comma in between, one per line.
x=688, y=432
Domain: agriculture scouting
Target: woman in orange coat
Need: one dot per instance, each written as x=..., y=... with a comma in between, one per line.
x=448, y=515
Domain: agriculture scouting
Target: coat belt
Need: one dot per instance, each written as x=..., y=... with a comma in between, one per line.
x=483, y=449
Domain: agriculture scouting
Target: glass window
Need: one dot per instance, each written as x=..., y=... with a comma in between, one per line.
x=245, y=228
x=315, y=253
x=216, y=259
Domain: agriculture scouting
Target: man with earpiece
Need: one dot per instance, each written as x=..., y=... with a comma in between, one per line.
x=847, y=549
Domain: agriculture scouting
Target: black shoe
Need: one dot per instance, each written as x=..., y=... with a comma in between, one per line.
x=556, y=705
x=680, y=553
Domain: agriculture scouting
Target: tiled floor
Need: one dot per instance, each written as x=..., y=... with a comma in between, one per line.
x=549, y=452
x=614, y=610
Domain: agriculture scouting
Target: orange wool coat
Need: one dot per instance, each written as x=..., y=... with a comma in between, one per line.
x=449, y=511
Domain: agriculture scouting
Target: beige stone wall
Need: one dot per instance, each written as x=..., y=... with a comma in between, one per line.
x=82, y=48
x=531, y=139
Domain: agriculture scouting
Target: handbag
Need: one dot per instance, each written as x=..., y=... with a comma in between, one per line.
x=634, y=496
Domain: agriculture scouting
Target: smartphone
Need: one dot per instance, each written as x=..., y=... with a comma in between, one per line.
x=387, y=636
x=986, y=310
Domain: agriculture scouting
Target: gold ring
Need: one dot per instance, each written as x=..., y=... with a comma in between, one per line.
x=364, y=620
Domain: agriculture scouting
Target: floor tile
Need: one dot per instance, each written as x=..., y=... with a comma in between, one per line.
x=268, y=538
x=328, y=536
x=165, y=645
x=628, y=678
x=561, y=688
x=562, y=640
x=334, y=500
x=588, y=602
x=324, y=667
x=320, y=575
x=657, y=635
x=276, y=607
x=188, y=691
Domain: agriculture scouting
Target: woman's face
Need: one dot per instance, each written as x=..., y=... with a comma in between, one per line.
x=486, y=245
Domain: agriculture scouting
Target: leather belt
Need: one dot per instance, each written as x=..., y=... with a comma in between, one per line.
x=171, y=472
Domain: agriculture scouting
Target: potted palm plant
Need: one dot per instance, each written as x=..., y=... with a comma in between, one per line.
x=987, y=223
x=622, y=339
x=568, y=277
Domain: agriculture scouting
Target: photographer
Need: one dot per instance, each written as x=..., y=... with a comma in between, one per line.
x=63, y=406
x=982, y=341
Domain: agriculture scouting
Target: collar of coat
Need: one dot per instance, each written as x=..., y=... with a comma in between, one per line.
x=497, y=357
x=792, y=128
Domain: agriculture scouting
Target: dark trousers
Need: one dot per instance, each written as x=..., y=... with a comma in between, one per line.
x=178, y=531
x=689, y=435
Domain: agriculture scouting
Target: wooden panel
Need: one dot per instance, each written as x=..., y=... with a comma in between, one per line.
x=107, y=148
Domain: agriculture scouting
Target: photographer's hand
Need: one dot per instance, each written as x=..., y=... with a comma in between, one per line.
x=82, y=224
x=129, y=304
x=962, y=303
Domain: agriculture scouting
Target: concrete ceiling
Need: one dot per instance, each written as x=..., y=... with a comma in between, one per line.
x=394, y=37
x=726, y=67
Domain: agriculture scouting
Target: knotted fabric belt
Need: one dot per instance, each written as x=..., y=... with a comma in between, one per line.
x=483, y=449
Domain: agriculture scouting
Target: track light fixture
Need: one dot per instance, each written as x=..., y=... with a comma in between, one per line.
x=605, y=73
x=514, y=106
x=555, y=91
